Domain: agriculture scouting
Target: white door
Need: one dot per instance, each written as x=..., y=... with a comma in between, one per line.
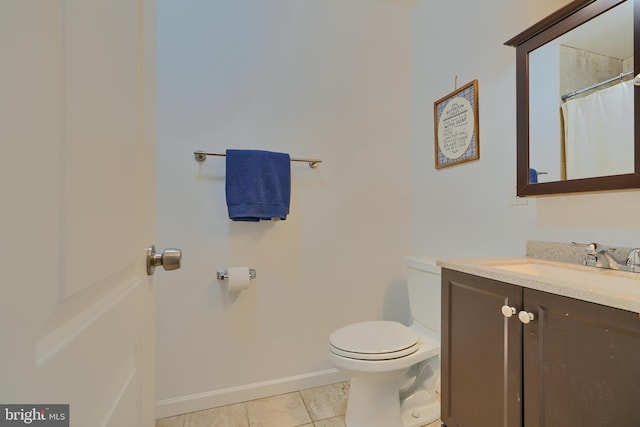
x=77, y=120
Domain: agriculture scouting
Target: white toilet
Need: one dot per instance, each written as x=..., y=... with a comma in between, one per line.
x=395, y=369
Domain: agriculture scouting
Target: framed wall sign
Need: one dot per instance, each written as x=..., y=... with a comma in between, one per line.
x=457, y=127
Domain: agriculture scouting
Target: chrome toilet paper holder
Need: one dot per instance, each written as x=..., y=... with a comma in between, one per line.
x=224, y=274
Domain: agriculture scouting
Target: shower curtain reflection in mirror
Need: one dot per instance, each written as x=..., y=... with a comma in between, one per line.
x=598, y=131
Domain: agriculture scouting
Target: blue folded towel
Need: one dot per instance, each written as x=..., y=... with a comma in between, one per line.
x=258, y=185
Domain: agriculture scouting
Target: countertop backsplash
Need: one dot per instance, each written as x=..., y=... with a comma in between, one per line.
x=565, y=252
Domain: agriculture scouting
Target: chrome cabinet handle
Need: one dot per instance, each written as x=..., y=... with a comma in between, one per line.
x=508, y=311
x=169, y=259
x=526, y=317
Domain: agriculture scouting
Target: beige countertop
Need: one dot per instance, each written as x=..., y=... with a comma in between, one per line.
x=612, y=288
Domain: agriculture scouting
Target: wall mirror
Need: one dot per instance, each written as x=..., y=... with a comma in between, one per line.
x=577, y=113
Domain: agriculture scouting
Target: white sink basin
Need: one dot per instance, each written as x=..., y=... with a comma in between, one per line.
x=590, y=278
x=537, y=269
x=607, y=287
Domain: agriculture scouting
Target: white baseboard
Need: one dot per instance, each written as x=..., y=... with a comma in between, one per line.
x=231, y=395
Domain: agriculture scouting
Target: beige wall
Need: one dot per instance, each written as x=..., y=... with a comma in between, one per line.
x=467, y=210
x=353, y=83
x=321, y=78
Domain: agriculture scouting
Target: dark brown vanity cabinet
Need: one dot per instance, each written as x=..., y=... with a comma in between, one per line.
x=575, y=364
x=481, y=353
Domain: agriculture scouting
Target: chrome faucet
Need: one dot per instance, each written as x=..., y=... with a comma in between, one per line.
x=602, y=256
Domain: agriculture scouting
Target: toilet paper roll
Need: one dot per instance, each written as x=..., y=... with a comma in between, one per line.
x=238, y=279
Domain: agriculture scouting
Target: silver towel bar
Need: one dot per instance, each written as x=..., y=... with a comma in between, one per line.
x=224, y=274
x=201, y=156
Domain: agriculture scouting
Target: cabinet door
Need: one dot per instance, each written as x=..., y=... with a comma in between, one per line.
x=481, y=352
x=581, y=364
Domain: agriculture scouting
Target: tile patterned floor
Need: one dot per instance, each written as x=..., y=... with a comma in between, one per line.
x=315, y=407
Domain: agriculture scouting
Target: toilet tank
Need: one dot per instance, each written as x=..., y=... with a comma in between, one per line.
x=423, y=279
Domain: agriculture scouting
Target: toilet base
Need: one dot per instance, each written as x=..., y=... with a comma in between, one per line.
x=421, y=415
x=421, y=406
x=417, y=410
x=381, y=389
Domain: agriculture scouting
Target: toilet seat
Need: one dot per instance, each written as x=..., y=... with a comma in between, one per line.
x=375, y=340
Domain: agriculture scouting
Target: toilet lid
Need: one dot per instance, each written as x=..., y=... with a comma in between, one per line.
x=376, y=340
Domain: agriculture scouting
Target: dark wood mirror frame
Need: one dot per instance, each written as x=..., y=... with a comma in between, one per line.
x=553, y=26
